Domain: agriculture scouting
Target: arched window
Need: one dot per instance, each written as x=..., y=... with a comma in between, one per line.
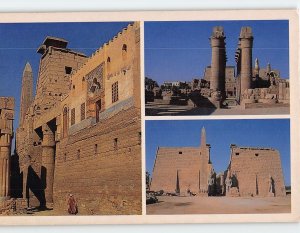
x=124, y=48
x=124, y=51
x=108, y=60
x=82, y=83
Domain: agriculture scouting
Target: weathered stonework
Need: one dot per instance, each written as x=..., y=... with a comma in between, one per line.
x=177, y=170
x=253, y=169
x=218, y=62
x=7, y=105
x=82, y=133
x=252, y=172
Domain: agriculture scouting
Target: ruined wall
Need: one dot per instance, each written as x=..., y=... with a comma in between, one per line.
x=263, y=73
x=253, y=166
x=230, y=80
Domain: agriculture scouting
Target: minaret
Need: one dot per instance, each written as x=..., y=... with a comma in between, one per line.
x=203, y=138
x=27, y=92
x=246, y=43
x=218, y=60
x=256, y=67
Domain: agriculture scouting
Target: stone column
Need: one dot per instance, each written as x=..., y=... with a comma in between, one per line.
x=246, y=43
x=25, y=173
x=218, y=60
x=5, y=141
x=48, y=156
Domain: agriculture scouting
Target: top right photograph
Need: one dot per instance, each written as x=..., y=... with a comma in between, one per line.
x=217, y=68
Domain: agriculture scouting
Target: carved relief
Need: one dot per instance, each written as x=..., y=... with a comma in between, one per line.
x=95, y=80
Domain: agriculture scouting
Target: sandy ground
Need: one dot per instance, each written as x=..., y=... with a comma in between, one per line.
x=159, y=109
x=219, y=205
x=205, y=205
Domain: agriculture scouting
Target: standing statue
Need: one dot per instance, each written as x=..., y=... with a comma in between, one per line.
x=271, y=185
x=211, y=182
x=228, y=183
x=211, y=179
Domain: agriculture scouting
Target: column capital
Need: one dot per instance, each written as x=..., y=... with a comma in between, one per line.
x=5, y=140
x=246, y=42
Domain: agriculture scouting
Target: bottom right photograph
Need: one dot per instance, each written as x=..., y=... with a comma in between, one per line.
x=218, y=166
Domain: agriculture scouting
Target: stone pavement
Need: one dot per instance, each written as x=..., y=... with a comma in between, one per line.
x=160, y=109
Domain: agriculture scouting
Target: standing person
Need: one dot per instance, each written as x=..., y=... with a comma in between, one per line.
x=72, y=205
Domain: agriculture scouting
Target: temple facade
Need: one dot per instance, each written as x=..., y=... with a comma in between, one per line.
x=252, y=172
x=80, y=133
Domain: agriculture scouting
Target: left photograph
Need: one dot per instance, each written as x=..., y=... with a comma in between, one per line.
x=70, y=119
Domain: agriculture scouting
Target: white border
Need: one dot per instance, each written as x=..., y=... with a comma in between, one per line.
x=290, y=15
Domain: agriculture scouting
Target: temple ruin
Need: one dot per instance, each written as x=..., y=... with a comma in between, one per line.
x=184, y=171
x=225, y=86
x=80, y=133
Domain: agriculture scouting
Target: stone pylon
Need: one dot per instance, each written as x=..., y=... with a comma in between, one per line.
x=246, y=44
x=218, y=60
x=26, y=93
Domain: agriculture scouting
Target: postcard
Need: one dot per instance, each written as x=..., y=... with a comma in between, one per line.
x=149, y=117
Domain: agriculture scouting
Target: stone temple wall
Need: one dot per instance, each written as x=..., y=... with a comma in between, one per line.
x=180, y=166
x=101, y=166
x=54, y=74
x=70, y=144
x=28, y=152
x=253, y=168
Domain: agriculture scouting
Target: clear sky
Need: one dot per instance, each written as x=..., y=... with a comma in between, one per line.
x=181, y=50
x=274, y=133
x=19, y=43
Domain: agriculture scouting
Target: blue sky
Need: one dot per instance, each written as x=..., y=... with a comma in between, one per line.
x=181, y=50
x=19, y=43
x=220, y=134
